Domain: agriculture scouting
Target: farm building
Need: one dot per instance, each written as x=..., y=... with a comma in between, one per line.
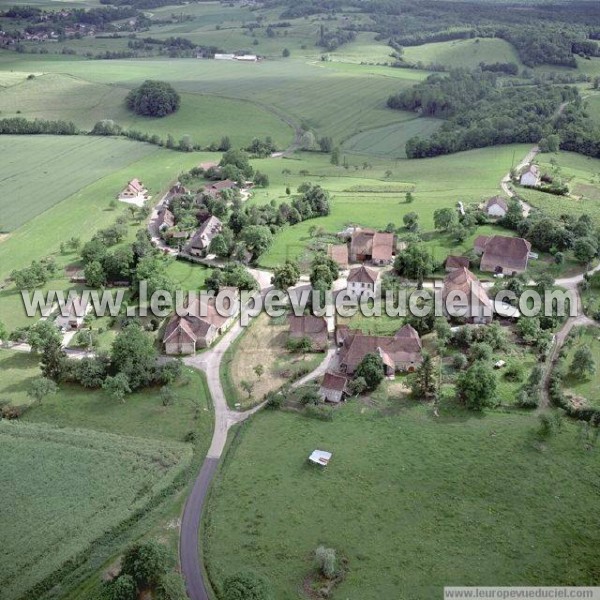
x=166, y=219
x=370, y=245
x=311, y=327
x=338, y=253
x=468, y=298
x=531, y=177
x=73, y=315
x=134, y=191
x=501, y=254
x=333, y=389
x=401, y=352
x=362, y=281
x=320, y=457
x=456, y=262
x=246, y=58
x=496, y=207
x=198, y=325
x=201, y=240
x=178, y=190
x=214, y=189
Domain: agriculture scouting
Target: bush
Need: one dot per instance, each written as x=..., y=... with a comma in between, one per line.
x=146, y=563
x=274, y=400
x=153, y=99
x=246, y=585
x=326, y=561
x=459, y=362
x=528, y=398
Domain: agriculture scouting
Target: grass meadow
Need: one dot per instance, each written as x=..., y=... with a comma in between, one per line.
x=40, y=172
x=79, y=484
x=466, y=54
x=588, y=387
x=412, y=502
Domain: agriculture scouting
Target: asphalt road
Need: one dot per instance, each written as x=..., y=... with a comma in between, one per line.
x=190, y=553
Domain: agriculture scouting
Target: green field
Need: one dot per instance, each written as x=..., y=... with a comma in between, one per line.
x=79, y=484
x=587, y=388
x=411, y=502
x=366, y=196
x=65, y=165
x=466, y=54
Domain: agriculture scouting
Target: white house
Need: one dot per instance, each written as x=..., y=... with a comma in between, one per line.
x=362, y=281
x=531, y=177
x=496, y=207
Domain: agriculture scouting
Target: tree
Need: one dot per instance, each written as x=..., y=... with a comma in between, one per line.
x=247, y=386
x=246, y=585
x=411, y=221
x=133, y=354
x=308, y=141
x=238, y=159
x=146, y=563
x=335, y=156
x=425, y=383
x=153, y=99
x=444, y=218
x=259, y=370
x=357, y=386
x=41, y=387
x=585, y=249
x=414, y=263
x=222, y=243
x=42, y=334
x=326, y=561
x=409, y=198
x=257, y=238
x=285, y=53
x=476, y=387
x=326, y=144
x=117, y=387
x=90, y=372
x=95, y=276
x=323, y=269
x=286, y=275
x=371, y=370
x=261, y=179
x=3, y=332
x=153, y=270
x=481, y=351
x=311, y=397
x=167, y=395
x=171, y=587
x=121, y=588
x=53, y=361
x=583, y=365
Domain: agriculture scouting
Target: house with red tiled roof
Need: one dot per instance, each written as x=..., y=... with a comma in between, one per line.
x=370, y=245
x=502, y=254
x=166, y=219
x=401, y=352
x=201, y=240
x=338, y=253
x=383, y=248
x=134, y=190
x=456, y=262
x=311, y=327
x=215, y=188
x=464, y=297
x=334, y=388
x=362, y=281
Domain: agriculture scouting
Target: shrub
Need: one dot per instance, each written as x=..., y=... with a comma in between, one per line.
x=326, y=561
x=246, y=585
x=528, y=398
x=274, y=400
x=146, y=563
x=459, y=362
x=321, y=412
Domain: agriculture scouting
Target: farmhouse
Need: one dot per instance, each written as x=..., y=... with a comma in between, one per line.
x=362, y=281
x=133, y=191
x=402, y=352
x=73, y=315
x=166, y=219
x=456, y=262
x=370, y=245
x=468, y=298
x=338, y=253
x=333, y=389
x=501, y=254
x=178, y=190
x=201, y=240
x=198, y=325
x=531, y=177
x=311, y=327
x=214, y=189
x=496, y=207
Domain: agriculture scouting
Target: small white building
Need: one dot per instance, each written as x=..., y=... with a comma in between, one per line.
x=362, y=281
x=496, y=207
x=224, y=56
x=320, y=457
x=247, y=58
x=531, y=177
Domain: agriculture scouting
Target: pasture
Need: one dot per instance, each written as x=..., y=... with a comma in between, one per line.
x=586, y=387
x=79, y=485
x=410, y=501
x=39, y=172
x=466, y=54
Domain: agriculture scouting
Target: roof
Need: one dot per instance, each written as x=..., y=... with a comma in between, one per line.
x=510, y=253
x=480, y=242
x=338, y=253
x=309, y=326
x=185, y=329
x=136, y=185
x=361, y=241
x=497, y=201
x=456, y=262
x=383, y=246
x=320, y=457
x=218, y=186
x=207, y=231
x=335, y=382
x=404, y=347
x=363, y=274
x=166, y=217
x=462, y=280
